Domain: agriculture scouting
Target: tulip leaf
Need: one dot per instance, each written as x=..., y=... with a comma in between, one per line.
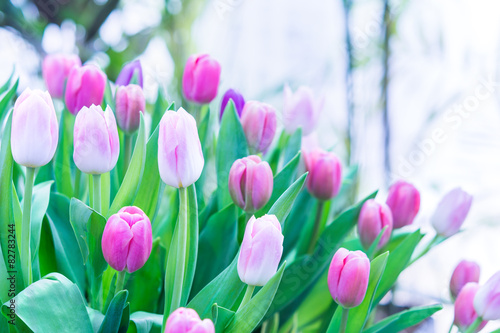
x=250, y=315
x=221, y=317
x=7, y=83
x=293, y=146
x=144, y=322
x=113, y=319
x=127, y=192
x=231, y=145
x=205, y=133
x=108, y=99
x=64, y=154
x=6, y=98
x=282, y=207
x=400, y=321
x=159, y=109
x=52, y=304
x=96, y=318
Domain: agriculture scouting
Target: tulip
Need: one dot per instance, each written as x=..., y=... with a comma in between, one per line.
x=130, y=103
x=465, y=272
x=180, y=158
x=348, y=277
x=261, y=250
x=465, y=314
x=250, y=183
x=372, y=219
x=127, y=239
x=451, y=212
x=127, y=73
x=85, y=87
x=259, y=124
x=185, y=320
x=200, y=80
x=96, y=143
x=325, y=174
x=487, y=299
x=239, y=101
x=34, y=133
x=301, y=110
x=404, y=201
x=55, y=71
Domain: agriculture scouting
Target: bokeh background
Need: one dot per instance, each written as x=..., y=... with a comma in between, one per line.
x=411, y=89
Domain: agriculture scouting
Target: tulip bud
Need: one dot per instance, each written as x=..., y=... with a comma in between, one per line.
x=451, y=212
x=85, y=87
x=465, y=314
x=348, y=277
x=259, y=124
x=261, y=250
x=96, y=143
x=130, y=103
x=185, y=320
x=34, y=131
x=201, y=79
x=301, y=110
x=404, y=201
x=239, y=101
x=127, y=239
x=465, y=272
x=250, y=183
x=55, y=71
x=487, y=299
x=372, y=219
x=180, y=158
x=325, y=174
x=127, y=73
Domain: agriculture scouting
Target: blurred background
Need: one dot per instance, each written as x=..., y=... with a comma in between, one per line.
x=411, y=89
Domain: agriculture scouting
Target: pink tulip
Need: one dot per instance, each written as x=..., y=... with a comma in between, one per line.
x=201, y=79
x=259, y=124
x=96, y=143
x=128, y=72
x=465, y=314
x=372, y=219
x=261, y=250
x=250, y=183
x=180, y=158
x=127, y=239
x=130, y=103
x=301, y=110
x=34, y=131
x=487, y=299
x=236, y=97
x=85, y=87
x=465, y=272
x=325, y=174
x=55, y=71
x=185, y=320
x=451, y=212
x=348, y=277
x=404, y=201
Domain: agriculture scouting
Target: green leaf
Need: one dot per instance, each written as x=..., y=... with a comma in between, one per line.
x=159, y=109
x=96, y=318
x=298, y=221
x=52, y=304
x=283, y=205
x=221, y=317
x=404, y=319
x=128, y=189
x=108, y=97
x=64, y=154
x=144, y=322
x=6, y=84
x=113, y=318
x=205, y=133
x=231, y=145
x=6, y=99
x=293, y=146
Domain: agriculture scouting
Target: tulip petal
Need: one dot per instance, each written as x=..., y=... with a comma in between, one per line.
x=140, y=245
x=115, y=242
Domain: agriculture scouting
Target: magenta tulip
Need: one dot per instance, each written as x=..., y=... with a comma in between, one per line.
x=130, y=103
x=261, y=250
x=128, y=71
x=236, y=97
x=201, y=79
x=185, y=320
x=325, y=174
x=404, y=201
x=34, y=131
x=180, y=158
x=451, y=212
x=95, y=139
x=127, y=239
x=55, y=71
x=85, y=87
x=465, y=314
x=465, y=272
x=301, y=110
x=372, y=219
x=259, y=124
x=348, y=277
x=487, y=299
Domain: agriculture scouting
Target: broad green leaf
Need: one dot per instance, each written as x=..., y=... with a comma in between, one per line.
x=221, y=317
x=282, y=207
x=96, y=318
x=144, y=322
x=298, y=221
x=293, y=146
x=113, y=318
x=64, y=154
x=7, y=83
x=6, y=99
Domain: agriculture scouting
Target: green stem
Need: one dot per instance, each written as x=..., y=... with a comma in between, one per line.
x=343, y=322
x=317, y=225
x=429, y=246
x=78, y=176
x=127, y=153
x=181, y=250
x=247, y=297
x=451, y=327
x=242, y=226
x=472, y=328
x=120, y=282
x=97, y=193
x=26, y=227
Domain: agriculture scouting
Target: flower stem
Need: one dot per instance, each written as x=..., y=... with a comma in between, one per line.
x=343, y=322
x=451, y=327
x=120, y=282
x=26, y=227
x=247, y=297
x=317, y=224
x=127, y=153
x=78, y=177
x=97, y=193
x=473, y=327
x=181, y=250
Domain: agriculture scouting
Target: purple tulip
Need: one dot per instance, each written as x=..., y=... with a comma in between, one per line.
x=465, y=314
x=465, y=272
x=127, y=239
x=372, y=219
x=451, y=212
x=261, y=250
x=487, y=299
x=34, y=131
x=85, y=87
x=200, y=80
x=239, y=101
x=404, y=201
x=325, y=174
x=55, y=71
x=185, y=320
x=96, y=143
x=127, y=73
x=130, y=102
x=301, y=110
x=259, y=124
